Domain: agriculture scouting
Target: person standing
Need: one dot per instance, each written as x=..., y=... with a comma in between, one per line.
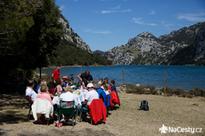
x=56, y=74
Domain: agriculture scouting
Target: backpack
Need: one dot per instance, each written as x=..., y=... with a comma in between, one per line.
x=144, y=105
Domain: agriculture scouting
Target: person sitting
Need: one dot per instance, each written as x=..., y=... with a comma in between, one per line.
x=85, y=77
x=44, y=93
x=58, y=87
x=41, y=82
x=112, y=85
x=83, y=91
x=65, y=81
x=67, y=95
x=56, y=94
x=106, y=86
x=106, y=94
x=114, y=94
x=30, y=93
x=101, y=93
x=91, y=95
x=42, y=104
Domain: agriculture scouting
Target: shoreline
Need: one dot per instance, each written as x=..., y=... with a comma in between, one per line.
x=146, y=89
x=98, y=65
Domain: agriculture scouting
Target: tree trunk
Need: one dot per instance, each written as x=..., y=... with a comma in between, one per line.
x=40, y=71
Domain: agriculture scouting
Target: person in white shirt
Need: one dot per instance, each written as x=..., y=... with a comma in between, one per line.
x=30, y=93
x=67, y=95
x=92, y=94
x=83, y=91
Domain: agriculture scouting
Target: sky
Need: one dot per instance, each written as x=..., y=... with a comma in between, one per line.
x=104, y=24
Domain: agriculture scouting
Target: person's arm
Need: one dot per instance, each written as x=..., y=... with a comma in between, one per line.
x=87, y=96
x=79, y=76
x=91, y=78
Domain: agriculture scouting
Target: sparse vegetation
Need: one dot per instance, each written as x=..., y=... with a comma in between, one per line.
x=142, y=89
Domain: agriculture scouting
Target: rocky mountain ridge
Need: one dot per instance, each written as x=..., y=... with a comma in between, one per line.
x=184, y=46
x=71, y=37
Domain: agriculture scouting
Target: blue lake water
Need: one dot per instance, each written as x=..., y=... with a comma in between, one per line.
x=183, y=77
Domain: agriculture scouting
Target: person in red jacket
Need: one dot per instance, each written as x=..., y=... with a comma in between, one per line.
x=56, y=73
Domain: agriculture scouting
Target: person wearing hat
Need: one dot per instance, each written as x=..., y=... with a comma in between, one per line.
x=91, y=95
x=65, y=81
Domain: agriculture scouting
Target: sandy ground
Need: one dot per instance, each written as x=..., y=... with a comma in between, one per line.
x=126, y=121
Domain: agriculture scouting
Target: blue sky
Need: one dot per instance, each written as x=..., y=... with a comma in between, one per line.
x=104, y=24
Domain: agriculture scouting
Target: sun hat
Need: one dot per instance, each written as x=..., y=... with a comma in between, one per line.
x=90, y=85
x=100, y=82
x=65, y=77
x=68, y=88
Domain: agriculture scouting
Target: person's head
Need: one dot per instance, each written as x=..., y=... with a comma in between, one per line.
x=30, y=83
x=58, y=67
x=100, y=83
x=65, y=78
x=43, y=82
x=106, y=80
x=87, y=72
x=112, y=82
x=90, y=86
x=44, y=88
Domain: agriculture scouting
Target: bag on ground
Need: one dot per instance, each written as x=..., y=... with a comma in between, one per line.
x=144, y=105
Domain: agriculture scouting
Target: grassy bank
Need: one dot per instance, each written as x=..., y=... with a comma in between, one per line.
x=142, y=89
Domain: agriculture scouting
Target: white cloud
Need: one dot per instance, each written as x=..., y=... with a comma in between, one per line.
x=152, y=12
x=192, y=17
x=116, y=9
x=104, y=32
x=140, y=21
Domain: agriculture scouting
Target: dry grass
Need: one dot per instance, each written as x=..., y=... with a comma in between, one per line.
x=126, y=121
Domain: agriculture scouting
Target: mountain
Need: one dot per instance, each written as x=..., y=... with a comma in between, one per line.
x=71, y=37
x=74, y=51
x=184, y=46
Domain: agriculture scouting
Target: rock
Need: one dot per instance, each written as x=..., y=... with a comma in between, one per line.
x=184, y=46
x=71, y=37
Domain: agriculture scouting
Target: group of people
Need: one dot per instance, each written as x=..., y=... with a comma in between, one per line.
x=45, y=97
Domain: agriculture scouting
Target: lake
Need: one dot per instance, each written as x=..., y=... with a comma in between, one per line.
x=183, y=77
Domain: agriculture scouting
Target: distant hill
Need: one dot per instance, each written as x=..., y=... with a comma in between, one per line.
x=74, y=51
x=184, y=46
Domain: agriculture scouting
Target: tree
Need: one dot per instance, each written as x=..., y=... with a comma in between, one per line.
x=44, y=36
x=29, y=32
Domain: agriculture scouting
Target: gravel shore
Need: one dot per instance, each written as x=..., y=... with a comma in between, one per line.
x=171, y=111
